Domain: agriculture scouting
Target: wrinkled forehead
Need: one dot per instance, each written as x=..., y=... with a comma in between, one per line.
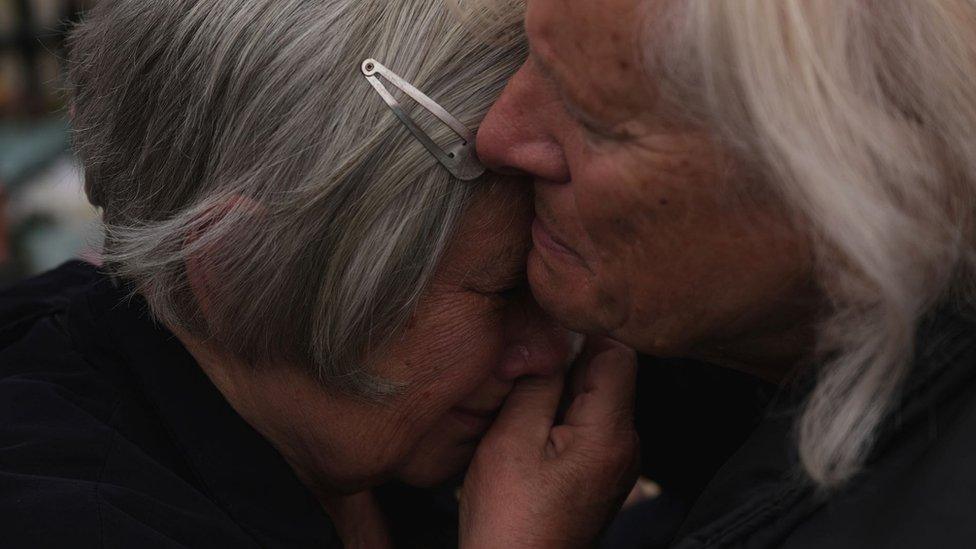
x=593, y=49
x=585, y=19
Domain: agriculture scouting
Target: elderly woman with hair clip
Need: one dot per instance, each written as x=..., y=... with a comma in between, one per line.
x=311, y=289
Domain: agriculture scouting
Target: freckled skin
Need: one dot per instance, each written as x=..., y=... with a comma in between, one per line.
x=683, y=254
x=455, y=352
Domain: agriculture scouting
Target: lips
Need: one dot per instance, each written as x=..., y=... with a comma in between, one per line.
x=545, y=239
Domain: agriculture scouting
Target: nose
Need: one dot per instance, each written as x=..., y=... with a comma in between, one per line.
x=537, y=346
x=519, y=134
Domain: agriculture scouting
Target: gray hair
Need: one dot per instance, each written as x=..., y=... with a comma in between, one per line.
x=862, y=115
x=242, y=133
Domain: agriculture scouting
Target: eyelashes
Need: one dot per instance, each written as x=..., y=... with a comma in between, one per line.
x=502, y=299
x=510, y=293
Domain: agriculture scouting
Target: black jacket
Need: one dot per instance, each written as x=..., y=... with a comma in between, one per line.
x=918, y=489
x=110, y=436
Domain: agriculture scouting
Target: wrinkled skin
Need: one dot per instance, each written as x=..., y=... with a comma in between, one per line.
x=476, y=331
x=647, y=231
x=536, y=483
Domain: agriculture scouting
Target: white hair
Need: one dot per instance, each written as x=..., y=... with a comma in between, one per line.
x=862, y=115
x=241, y=133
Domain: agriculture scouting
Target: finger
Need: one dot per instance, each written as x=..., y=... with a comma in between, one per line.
x=530, y=410
x=606, y=399
x=593, y=346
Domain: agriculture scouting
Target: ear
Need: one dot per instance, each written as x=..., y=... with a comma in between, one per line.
x=201, y=272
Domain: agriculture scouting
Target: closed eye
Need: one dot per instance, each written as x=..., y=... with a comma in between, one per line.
x=510, y=293
x=504, y=295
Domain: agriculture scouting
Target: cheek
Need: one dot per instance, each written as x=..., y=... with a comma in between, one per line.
x=624, y=222
x=612, y=209
x=645, y=204
x=448, y=359
x=460, y=358
x=685, y=238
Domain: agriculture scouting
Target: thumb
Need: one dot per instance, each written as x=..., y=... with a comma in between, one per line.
x=607, y=390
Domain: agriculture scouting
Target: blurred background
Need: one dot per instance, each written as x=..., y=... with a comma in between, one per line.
x=44, y=217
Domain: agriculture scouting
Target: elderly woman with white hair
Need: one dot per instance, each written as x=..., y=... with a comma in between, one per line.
x=312, y=296
x=785, y=188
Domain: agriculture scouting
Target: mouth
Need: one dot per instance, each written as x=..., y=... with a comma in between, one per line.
x=545, y=239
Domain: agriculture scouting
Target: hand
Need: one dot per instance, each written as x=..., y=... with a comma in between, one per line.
x=534, y=483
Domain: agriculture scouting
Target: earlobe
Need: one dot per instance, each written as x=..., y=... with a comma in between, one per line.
x=204, y=245
x=200, y=280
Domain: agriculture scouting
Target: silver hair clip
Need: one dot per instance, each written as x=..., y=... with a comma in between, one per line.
x=461, y=159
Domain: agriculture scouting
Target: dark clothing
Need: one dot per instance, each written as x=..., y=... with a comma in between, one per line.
x=917, y=491
x=691, y=418
x=112, y=436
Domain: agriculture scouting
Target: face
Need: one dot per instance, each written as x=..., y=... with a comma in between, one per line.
x=645, y=229
x=476, y=330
